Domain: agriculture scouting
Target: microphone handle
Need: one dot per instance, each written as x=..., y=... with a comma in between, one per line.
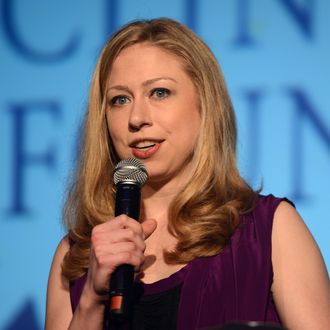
x=128, y=198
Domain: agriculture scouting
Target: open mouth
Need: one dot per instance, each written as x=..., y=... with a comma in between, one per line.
x=146, y=148
x=145, y=145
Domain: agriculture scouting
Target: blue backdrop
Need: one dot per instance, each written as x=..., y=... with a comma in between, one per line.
x=275, y=55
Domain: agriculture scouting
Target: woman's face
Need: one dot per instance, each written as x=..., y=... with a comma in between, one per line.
x=152, y=111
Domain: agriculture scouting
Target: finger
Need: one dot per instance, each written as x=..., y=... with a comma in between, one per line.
x=117, y=236
x=124, y=221
x=121, y=221
x=111, y=230
x=148, y=227
x=110, y=262
x=120, y=247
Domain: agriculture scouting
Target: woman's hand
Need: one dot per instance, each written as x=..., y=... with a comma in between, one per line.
x=118, y=241
x=113, y=243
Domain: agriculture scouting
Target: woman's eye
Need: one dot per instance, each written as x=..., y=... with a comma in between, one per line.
x=119, y=100
x=160, y=93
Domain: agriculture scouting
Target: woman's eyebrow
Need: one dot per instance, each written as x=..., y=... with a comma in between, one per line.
x=151, y=81
x=120, y=87
x=145, y=83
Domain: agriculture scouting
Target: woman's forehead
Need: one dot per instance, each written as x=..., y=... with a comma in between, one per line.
x=146, y=61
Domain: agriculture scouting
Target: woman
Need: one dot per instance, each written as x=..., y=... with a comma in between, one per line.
x=209, y=249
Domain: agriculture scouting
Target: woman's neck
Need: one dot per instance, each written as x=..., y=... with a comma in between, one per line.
x=158, y=195
x=156, y=202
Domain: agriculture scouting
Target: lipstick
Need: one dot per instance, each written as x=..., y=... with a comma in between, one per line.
x=145, y=153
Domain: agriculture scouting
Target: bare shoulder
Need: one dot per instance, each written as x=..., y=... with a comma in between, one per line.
x=289, y=224
x=301, y=286
x=58, y=309
x=56, y=268
x=62, y=248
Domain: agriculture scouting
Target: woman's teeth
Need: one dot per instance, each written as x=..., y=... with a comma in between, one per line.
x=145, y=144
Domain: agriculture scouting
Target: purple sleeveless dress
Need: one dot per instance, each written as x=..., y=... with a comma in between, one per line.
x=233, y=285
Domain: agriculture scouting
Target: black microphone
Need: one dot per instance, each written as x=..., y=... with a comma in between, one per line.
x=129, y=176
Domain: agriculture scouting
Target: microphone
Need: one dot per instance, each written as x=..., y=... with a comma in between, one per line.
x=129, y=176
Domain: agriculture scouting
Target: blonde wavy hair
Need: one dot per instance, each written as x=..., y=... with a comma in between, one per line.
x=206, y=211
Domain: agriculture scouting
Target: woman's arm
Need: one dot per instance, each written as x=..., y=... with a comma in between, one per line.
x=58, y=308
x=88, y=315
x=301, y=286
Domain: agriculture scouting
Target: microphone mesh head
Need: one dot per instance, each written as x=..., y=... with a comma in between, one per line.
x=130, y=170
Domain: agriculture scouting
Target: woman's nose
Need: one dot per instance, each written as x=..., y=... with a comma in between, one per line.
x=140, y=116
